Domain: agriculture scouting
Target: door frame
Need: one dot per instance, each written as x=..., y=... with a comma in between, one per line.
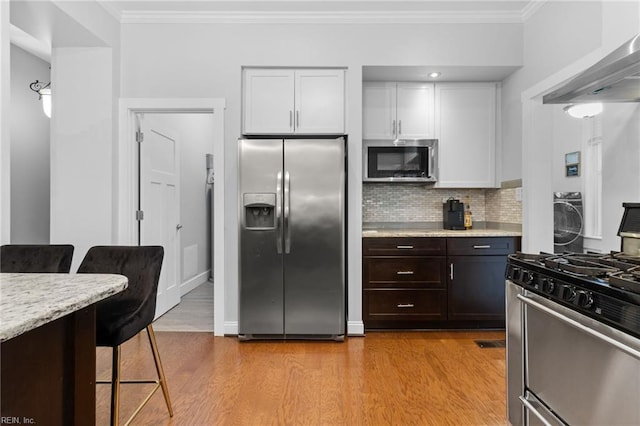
x=127, y=178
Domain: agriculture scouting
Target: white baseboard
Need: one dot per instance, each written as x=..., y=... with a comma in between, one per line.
x=231, y=328
x=194, y=282
x=354, y=328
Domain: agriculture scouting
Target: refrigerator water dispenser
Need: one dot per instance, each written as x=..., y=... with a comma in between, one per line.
x=259, y=211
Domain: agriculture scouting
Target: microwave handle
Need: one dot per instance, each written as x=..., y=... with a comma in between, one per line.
x=432, y=163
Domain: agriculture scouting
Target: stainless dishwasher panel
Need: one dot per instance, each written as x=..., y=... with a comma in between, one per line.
x=583, y=370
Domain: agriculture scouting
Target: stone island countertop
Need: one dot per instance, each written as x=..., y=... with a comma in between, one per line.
x=28, y=301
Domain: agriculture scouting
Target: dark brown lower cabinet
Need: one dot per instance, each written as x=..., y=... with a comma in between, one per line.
x=404, y=282
x=476, y=288
x=47, y=375
x=428, y=283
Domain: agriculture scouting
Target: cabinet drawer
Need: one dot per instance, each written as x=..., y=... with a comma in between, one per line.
x=412, y=305
x=481, y=246
x=405, y=272
x=402, y=246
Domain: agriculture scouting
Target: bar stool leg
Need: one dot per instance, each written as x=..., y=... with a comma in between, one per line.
x=115, y=386
x=159, y=369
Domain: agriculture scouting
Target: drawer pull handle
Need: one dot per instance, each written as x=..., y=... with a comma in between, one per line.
x=404, y=247
x=404, y=272
x=482, y=247
x=406, y=305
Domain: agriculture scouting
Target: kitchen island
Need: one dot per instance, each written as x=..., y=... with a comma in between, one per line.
x=47, y=345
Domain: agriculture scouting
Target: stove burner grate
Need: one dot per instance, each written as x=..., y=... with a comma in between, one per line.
x=577, y=266
x=627, y=280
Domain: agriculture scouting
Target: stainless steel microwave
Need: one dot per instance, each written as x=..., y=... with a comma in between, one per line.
x=400, y=160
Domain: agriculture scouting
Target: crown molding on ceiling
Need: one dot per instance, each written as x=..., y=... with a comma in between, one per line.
x=344, y=17
x=111, y=9
x=531, y=8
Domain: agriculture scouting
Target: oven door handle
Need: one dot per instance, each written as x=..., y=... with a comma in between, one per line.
x=533, y=410
x=627, y=349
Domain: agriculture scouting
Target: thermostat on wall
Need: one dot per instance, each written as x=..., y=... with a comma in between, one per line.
x=572, y=163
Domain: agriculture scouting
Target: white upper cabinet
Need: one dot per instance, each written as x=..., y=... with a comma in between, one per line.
x=293, y=101
x=414, y=106
x=319, y=101
x=398, y=110
x=465, y=126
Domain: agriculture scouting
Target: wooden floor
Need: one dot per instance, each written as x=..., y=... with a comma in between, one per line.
x=193, y=313
x=385, y=378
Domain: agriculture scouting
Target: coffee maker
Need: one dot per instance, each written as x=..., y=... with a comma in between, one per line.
x=453, y=214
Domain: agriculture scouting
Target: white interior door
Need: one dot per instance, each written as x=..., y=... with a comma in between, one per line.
x=160, y=203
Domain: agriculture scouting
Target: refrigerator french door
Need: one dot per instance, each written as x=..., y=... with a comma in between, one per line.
x=292, y=238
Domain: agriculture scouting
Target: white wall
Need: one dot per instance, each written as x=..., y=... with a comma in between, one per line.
x=620, y=169
x=555, y=49
x=567, y=134
x=30, y=157
x=85, y=81
x=554, y=37
x=204, y=60
x=82, y=148
x=5, y=134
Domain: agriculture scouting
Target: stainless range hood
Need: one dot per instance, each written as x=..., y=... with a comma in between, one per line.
x=616, y=78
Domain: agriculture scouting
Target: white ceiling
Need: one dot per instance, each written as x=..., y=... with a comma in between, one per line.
x=353, y=11
x=448, y=73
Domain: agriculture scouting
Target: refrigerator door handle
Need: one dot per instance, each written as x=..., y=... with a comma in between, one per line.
x=287, y=205
x=279, y=213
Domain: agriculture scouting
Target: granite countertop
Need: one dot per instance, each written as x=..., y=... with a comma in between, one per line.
x=28, y=301
x=417, y=232
x=434, y=229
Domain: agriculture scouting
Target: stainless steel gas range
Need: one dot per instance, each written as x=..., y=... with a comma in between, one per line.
x=573, y=339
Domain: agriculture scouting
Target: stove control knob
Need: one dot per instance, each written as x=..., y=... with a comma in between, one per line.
x=548, y=285
x=527, y=277
x=584, y=299
x=567, y=293
x=515, y=273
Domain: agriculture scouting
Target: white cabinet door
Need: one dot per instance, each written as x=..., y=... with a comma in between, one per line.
x=397, y=110
x=378, y=110
x=414, y=104
x=465, y=126
x=319, y=101
x=268, y=103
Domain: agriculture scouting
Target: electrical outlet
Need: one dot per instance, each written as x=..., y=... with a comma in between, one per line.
x=519, y=194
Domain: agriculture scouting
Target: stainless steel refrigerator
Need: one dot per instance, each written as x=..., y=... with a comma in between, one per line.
x=292, y=238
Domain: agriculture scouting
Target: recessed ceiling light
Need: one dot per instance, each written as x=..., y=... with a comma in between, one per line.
x=434, y=74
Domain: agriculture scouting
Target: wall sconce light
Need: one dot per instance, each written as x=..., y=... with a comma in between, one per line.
x=583, y=110
x=44, y=94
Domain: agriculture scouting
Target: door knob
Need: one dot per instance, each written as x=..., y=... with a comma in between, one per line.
x=178, y=227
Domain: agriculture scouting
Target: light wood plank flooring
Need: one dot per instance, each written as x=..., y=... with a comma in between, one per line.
x=385, y=378
x=193, y=313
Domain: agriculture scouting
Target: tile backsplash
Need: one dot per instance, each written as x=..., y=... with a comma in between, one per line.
x=382, y=202
x=503, y=206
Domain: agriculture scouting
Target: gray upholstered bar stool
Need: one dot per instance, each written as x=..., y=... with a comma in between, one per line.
x=36, y=258
x=125, y=314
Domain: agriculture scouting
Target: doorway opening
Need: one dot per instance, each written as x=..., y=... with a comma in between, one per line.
x=171, y=163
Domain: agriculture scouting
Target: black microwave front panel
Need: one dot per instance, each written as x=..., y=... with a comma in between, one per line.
x=398, y=162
